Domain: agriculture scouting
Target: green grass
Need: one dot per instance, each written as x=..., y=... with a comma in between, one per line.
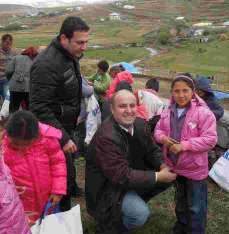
x=163, y=215
x=23, y=41
x=213, y=60
x=118, y=55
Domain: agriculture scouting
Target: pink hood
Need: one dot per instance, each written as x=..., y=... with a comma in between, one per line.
x=121, y=76
x=198, y=136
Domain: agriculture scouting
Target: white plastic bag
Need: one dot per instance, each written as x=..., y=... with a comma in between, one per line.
x=93, y=118
x=220, y=171
x=68, y=222
x=5, y=106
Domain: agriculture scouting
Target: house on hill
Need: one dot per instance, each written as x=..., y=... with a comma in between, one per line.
x=128, y=7
x=114, y=16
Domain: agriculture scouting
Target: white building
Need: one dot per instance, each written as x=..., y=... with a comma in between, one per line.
x=202, y=24
x=226, y=23
x=115, y=16
x=129, y=7
x=198, y=32
x=180, y=18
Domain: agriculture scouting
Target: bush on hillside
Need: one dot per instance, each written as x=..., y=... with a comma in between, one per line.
x=163, y=36
x=13, y=27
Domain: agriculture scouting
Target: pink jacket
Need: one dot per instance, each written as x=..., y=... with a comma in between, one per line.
x=197, y=138
x=12, y=216
x=38, y=170
x=121, y=76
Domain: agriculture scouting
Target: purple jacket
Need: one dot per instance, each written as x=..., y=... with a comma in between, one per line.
x=198, y=136
x=12, y=217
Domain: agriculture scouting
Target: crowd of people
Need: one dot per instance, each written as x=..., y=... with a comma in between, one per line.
x=139, y=147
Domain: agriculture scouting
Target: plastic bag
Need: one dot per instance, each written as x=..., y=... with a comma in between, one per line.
x=219, y=172
x=68, y=222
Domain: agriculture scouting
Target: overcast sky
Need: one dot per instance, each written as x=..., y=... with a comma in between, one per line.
x=32, y=2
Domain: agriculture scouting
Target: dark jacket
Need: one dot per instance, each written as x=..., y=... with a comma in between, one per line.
x=111, y=171
x=55, y=88
x=204, y=84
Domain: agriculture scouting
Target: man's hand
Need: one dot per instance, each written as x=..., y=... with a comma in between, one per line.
x=175, y=148
x=163, y=165
x=70, y=147
x=55, y=199
x=90, y=83
x=165, y=175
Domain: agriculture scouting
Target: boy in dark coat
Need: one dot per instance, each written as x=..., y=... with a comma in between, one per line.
x=204, y=90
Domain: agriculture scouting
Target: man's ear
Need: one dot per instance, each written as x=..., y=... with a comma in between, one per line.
x=63, y=40
x=111, y=108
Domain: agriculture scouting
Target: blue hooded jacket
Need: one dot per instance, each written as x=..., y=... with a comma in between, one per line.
x=204, y=84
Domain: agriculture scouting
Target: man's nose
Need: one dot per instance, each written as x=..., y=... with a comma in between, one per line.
x=84, y=47
x=128, y=109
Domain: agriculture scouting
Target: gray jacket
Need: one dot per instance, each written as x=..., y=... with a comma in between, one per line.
x=18, y=73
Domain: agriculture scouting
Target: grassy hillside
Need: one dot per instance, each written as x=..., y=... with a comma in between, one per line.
x=207, y=59
x=148, y=16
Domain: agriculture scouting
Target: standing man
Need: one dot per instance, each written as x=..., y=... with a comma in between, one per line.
x=56, y=87
x=124, y=169
x=6, y=55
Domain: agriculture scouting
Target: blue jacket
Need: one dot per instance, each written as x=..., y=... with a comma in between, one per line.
x=204, y=84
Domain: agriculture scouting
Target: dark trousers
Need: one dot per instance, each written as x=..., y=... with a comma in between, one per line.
x=191, y=206
x=65, y=203
x=16, y=98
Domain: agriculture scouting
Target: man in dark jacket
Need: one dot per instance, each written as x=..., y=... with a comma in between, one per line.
x=55, y=87
x=124, y=169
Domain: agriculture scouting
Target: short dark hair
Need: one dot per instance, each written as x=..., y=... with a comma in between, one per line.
x=22, y=125
x=123, y=85
x=73, y=24
x=7, y=36
x=103, y=65
x=152, y=84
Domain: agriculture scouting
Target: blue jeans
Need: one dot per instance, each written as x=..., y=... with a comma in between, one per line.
x=135, y=211
x=3, y=88
x=191, y=206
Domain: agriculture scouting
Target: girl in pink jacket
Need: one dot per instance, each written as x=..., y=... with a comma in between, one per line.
x=187, y=130
x=12, y=216
x=37, y=164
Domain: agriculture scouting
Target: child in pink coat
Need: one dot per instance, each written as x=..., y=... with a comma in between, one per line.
x=12, y=216
x=187, y=130
x=36, y=161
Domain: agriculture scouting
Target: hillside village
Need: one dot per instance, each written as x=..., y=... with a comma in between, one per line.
x=157, y=39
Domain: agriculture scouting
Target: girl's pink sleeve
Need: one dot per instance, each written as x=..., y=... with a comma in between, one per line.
x=159, y=131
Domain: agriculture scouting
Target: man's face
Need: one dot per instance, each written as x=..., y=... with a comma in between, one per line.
x=77, y=44
x=124, y=109
x=7, y=44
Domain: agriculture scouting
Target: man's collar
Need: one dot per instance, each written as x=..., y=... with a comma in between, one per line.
x=129, y=130
x=57, y=44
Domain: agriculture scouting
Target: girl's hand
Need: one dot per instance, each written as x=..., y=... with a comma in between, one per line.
x=167, y=141
x=55, y=199
x=175, y=148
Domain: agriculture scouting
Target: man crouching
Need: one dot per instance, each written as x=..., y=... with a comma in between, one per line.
x=124, y=169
